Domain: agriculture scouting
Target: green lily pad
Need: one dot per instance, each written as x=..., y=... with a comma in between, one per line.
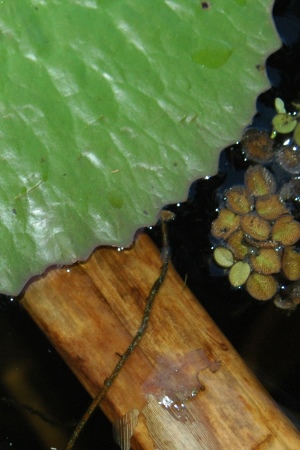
x=109, y=110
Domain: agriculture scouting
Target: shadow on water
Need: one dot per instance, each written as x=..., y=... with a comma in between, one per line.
x=266, y=337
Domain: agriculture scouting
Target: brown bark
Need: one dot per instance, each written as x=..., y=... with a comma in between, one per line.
x=90, y=312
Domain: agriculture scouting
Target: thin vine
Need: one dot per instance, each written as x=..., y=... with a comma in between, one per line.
x=164, y=217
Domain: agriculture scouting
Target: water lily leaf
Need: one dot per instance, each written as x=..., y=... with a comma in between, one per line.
x=109, y=109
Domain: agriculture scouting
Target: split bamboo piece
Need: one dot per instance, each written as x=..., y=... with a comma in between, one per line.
x=90, y=311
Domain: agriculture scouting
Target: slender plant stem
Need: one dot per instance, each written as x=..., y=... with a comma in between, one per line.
x=165, y=216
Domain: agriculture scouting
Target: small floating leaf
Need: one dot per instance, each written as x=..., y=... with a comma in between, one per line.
x=261, y=287
x=266, y=261
x=237, y=245
x=279, y=106
x=223, y=256
x=256, y=227
x=286, y=230
x=225, y=224
x=291, y=263
x=259, y=181
x=239, y=273
x=270, y=207
x=257, y=145
x=238, y=200
x=284, y=123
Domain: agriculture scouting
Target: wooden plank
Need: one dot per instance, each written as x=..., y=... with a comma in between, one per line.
x=90, y=312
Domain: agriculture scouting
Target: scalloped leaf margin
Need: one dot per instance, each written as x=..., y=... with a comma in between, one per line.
x=110, y=109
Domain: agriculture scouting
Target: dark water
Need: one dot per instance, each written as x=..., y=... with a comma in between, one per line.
x=266, y=337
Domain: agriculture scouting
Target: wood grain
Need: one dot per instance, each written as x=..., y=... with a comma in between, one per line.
x=90, y=312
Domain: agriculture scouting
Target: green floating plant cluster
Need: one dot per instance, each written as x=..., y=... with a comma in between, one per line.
x=257, y=228
x=284, y=122
x=109, y=110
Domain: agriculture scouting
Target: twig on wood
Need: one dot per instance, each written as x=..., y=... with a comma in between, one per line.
x=164, y=217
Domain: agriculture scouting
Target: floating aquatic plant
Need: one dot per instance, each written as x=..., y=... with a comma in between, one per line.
x=226, y=223
x=259, y=181
x=291, y=263
x=238, y=200
x=255, y=226
x=261, y=287
x=286, y=230
x=266, y=260
x=270, y=207
x=262, y=252
x=239, y=273
x=258, y=145
x=286, y=122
